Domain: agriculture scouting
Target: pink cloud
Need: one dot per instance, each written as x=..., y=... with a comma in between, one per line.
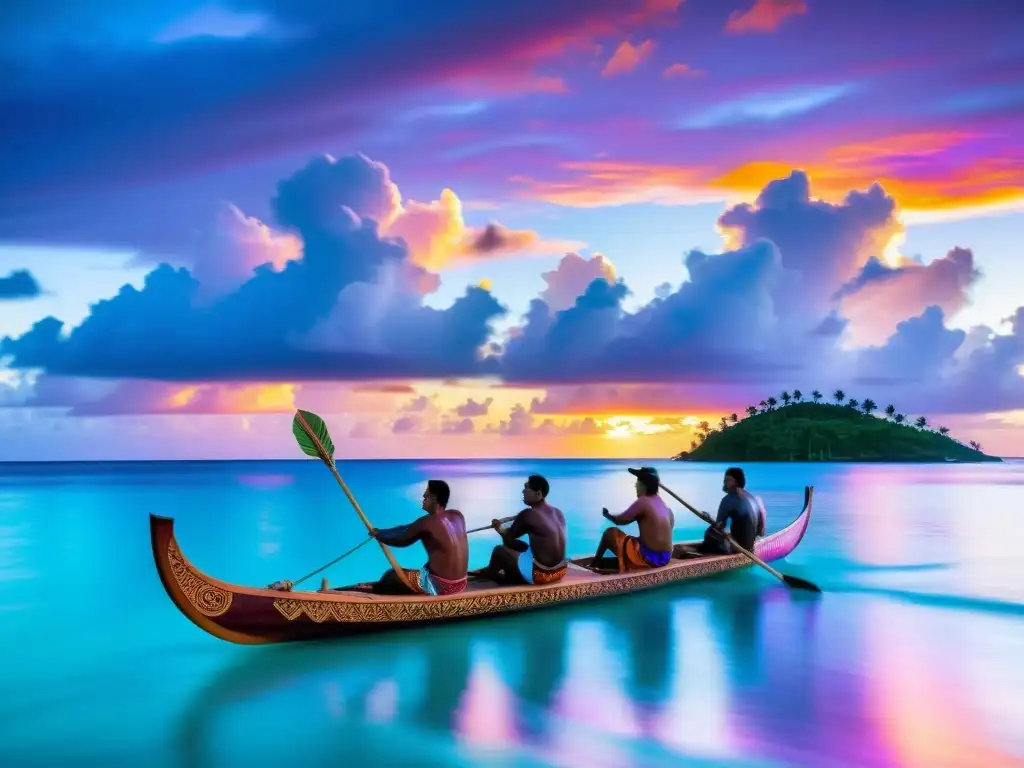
x=571, y=277
x=681, y=70
x=627, y=57
x=234, y=247
x=764, y=16
x=883, y=297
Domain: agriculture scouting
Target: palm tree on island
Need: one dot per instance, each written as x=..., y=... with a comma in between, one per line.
x=800, y=430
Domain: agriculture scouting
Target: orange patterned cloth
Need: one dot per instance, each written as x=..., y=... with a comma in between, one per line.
x=542, y=575
x=630, y=552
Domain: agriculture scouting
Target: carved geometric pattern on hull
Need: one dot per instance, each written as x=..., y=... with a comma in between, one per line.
x=431, y=609
x=204, y=597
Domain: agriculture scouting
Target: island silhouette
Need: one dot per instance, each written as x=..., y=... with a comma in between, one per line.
x=790, y=428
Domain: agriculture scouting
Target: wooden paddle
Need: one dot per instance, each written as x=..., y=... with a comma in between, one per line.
x=313, y=438
x=791, y=581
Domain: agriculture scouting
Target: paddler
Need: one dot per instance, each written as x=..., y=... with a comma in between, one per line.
x=653, y=547
x=542, y=560
x=742, y=509
x=442, y=532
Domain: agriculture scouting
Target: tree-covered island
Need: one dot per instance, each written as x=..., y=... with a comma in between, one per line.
x=792, y=428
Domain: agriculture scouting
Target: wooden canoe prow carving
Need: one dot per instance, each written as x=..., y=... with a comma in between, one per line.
x=253, y=615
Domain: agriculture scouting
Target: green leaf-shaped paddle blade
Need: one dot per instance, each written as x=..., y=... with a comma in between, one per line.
x=311, y=433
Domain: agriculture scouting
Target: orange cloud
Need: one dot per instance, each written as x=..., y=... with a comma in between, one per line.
x=904, y=164
x=437, y=234
x=627, y=57
x=764, y=16
x=681, y=70
x=159, y=397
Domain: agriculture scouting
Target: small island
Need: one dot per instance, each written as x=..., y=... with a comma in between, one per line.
x=790, y=428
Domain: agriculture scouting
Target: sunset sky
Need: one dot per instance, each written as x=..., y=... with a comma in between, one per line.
x=533, y=228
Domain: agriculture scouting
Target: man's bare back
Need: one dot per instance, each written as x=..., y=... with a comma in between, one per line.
x=443, y=535
x=544, y=526
x=655, y=520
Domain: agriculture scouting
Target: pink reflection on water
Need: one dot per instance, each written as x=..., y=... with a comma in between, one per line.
x=487, y=709
x=592, y=690
x=695, y=720
x=382, y=701
x=923, y=711
x=591, y=702
x=266, y=481
x=870, y=535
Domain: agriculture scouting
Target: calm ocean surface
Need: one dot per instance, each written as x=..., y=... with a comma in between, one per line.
x=914, y=656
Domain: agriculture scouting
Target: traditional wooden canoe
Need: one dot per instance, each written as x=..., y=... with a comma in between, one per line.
x=253, y=615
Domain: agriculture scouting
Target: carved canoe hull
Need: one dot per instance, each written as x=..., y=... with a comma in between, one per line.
x=254, y=616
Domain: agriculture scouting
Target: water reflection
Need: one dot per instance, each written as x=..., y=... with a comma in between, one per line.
x=919, y=629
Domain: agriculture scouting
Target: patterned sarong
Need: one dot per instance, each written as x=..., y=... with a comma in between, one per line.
x=425, y=582
x=535, y=573
x=634, y=556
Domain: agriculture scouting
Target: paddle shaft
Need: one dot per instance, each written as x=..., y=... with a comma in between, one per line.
x=399, y=571
x=490, y=527
x=707, y=518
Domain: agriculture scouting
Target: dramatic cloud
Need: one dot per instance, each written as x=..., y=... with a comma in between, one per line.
x=572, y=276
x=435, y=232
x=19, y=284
x=881, y=296
x=627, y=57
x=772, y=311
x=780, y=308
x=350, y=307
x=722, y=319
x=234, y=248
x=764, y=16
x=822, y=245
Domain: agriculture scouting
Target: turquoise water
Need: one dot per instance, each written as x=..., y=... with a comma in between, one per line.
x=914, y=656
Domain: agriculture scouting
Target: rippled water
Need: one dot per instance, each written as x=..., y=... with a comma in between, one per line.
x=914, y=656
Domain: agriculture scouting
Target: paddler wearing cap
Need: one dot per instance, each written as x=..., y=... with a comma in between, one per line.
x=653, y=547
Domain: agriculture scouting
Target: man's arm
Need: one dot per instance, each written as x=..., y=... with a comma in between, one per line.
x=633, y=513
x=726, y=507
x=401, y=535
x=517, y=528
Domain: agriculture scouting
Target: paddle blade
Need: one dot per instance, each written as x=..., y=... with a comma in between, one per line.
x=311, y=433
x=797, y=583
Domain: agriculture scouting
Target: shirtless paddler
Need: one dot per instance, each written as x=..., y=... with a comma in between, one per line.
x=442, y=532
x=542, y=560
x=653, y=547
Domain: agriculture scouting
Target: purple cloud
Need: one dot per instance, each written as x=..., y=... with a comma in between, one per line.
x=309, y=73
x=350, y=307
x=460, y=427
x=472, y=408
x=759, y=316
